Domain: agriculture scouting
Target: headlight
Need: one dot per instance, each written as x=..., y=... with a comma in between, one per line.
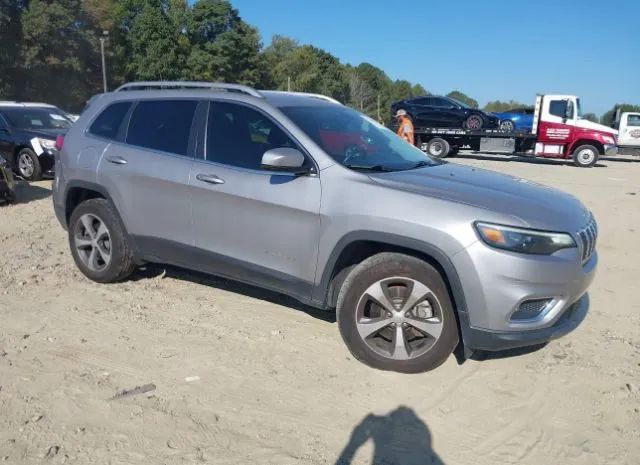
x=609, y=139
x=520, y=240
x=47, y=144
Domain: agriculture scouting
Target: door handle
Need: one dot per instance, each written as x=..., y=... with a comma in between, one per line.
x=116, y=160
x=209, y=178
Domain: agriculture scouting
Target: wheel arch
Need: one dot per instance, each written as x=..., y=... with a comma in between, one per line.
x=359, y=245
x=596, y=143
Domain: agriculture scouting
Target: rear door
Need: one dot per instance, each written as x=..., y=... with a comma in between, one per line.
x=423, y=112
x=255, y=225
x=147, y=173
x=629, y=132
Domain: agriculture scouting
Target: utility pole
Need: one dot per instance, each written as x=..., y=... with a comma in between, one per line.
x=288, y=83
x=379, y=116
x=105, y=34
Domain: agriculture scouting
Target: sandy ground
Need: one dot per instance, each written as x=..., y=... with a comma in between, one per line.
x=275, y=385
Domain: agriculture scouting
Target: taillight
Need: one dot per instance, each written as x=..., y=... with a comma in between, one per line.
x=59, y=143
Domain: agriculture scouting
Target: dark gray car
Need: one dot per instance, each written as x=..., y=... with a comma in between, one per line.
x=301, y=195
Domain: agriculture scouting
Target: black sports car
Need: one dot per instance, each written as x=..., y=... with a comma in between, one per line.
x=445, y=112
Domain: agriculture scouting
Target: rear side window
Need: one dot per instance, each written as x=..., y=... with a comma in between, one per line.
x=3, y=123
x=162, y=125
x=107, y=124
x=633, y=120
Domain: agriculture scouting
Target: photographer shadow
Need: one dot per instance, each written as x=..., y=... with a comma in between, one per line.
x=400, y=437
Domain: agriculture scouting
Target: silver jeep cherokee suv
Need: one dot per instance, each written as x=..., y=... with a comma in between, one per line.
x=301, y=195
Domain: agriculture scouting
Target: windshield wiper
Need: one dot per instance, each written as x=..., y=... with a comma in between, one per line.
x=380, y=168
x=421, y=164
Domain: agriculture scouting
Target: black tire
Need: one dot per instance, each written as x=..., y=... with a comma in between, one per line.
x=585, y=156
x=121, y=263
x=35, y=172
x=438, y=148
x=395, y=266
x=473, y=122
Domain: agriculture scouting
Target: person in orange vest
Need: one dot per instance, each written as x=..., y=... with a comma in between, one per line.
x=405, y=129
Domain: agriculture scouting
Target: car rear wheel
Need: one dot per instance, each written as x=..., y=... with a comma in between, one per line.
x=585, y=156
x=438, y=148
x=507, y=125
x=473, y=122
x=28, y=165
x=99, y=243
x=394, y=313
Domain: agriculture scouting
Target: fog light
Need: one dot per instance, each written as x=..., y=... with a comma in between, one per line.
x=530, y=309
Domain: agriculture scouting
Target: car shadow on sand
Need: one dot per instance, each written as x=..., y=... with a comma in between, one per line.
x=150, y=271
x=27, y=192
x=399, y=437
x=520, y=159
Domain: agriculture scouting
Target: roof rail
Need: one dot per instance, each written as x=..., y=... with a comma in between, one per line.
x=145, y=85
x=308, y=94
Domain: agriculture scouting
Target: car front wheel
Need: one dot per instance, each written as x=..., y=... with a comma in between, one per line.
x=585, y=156
x=473, y=122
x=394, y=313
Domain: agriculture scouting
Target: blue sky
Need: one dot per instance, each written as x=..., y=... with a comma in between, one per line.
x=513, y=49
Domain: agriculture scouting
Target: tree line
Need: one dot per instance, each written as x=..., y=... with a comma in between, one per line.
x=50, y=51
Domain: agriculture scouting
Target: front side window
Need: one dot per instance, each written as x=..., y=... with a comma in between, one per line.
x=355, y=140
x=423, y=101
x=238, y=135
x=3, y=123
x=633, y=120
x=108, y=122
x=558, y=108
x=38, y=118
x=162, y=125
x=440, y=102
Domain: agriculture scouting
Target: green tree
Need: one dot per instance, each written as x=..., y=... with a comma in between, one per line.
x=609, y=116
x=498, y=106
x=154, y=44
x=417, y=91
x=59, y=53
x=10, y=40
x=590, y=117
x=464, y=98
x=223, y=46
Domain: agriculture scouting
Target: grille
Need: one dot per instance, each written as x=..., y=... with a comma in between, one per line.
x=530, y=309
x=588, y=237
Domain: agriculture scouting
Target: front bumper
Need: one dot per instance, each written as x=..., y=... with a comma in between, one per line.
x=482, y=339
x=610, y=150
x=496, y=283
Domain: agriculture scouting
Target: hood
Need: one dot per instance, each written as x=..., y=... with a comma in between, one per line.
x=44, y=133
x=534, y=205
x=586, y=124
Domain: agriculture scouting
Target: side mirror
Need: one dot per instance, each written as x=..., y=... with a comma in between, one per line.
x=282, y=159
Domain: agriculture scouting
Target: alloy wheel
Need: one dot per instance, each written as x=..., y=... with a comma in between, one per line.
x=92, y=241
x=399, y=318
x=25, y=165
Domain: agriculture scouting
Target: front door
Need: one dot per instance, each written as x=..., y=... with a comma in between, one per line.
x=147, y=175
x=629, y=133
x=255, y=225
x=556, y=127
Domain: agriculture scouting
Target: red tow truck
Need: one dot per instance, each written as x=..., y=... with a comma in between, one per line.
x=559, y=131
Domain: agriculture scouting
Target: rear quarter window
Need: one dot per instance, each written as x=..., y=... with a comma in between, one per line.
x=108, y=122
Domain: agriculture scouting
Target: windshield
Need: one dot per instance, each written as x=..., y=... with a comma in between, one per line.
x=37, y=118
x=355, y=140
x=462, y=104
x=579, y=108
